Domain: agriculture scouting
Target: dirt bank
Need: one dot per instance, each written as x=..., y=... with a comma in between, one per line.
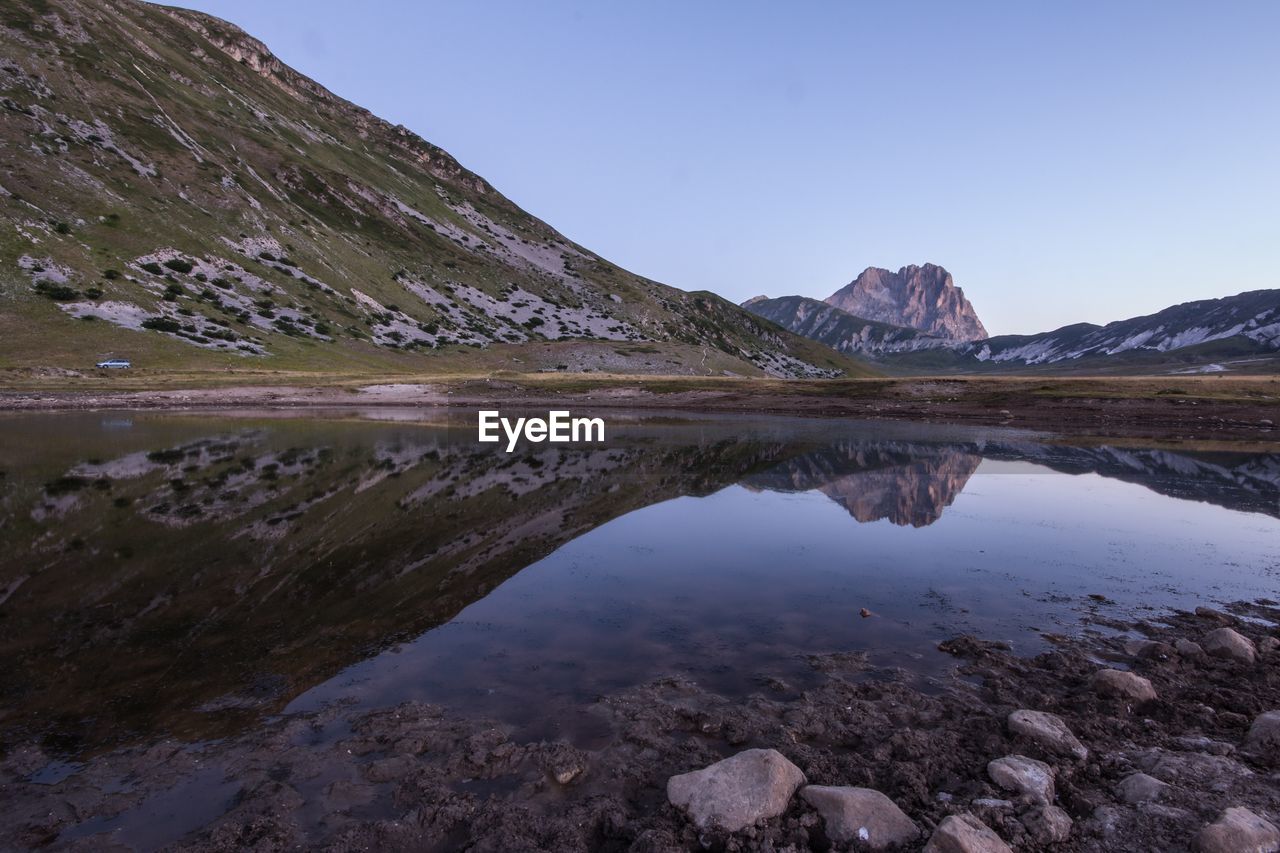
x=1192, y=408
x=416, y=778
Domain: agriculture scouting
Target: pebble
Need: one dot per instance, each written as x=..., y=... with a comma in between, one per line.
x=1149, y=649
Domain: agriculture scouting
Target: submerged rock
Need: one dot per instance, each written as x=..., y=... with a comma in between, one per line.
x=1149, y=649
x=734, y=793
x=1123, y=685
x=965, y=834
x=1025, y=776
x=862, y=814
x=1230, y=644
x=1140, y=788
x=1239, y=830
x=1049, y=731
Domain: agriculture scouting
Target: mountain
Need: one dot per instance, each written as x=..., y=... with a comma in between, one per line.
x=175, y=194
x=1232, y=325
x=924, y=298
x=841, y=330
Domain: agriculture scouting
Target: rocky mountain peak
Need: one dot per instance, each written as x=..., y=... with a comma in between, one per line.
x=920, y=297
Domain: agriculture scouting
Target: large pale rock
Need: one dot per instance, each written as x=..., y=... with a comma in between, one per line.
x=965, y=834
x=1123, y=685
x=1049, y=731
x=918, y=297
x=1239, y=830
x=734, y=793
x=1140, y=788
x=1048, y=824
x=1229, y=644
x=1025, y=776
x=861, y=814
x=1263, y=739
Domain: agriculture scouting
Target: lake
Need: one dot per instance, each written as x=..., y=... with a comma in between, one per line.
x=197, y=576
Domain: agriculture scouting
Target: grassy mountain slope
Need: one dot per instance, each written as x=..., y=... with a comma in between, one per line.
x=172, y=193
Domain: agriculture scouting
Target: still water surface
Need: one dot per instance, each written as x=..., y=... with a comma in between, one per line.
x=195, y=575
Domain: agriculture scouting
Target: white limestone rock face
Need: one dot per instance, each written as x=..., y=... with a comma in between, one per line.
x=735, y=793
x=862, y=815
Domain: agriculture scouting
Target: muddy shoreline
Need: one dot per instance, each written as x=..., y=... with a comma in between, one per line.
x=1138, y=409
x=415, y=777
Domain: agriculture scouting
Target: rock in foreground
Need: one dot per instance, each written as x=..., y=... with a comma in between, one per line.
x=1229, y=644
x=862, y=814
x=734, y=793
x=1048, y=824
x=1239, y=830
x=1026, y=776
x=1140, y=788
x=1049, y=731
x=965, y=834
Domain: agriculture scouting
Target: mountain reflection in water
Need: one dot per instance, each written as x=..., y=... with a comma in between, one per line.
x=166, y=574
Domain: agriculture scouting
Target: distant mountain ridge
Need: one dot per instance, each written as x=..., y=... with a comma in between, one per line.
x=918, y=297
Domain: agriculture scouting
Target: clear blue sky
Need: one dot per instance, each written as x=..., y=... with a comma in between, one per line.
x=1065, y=161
